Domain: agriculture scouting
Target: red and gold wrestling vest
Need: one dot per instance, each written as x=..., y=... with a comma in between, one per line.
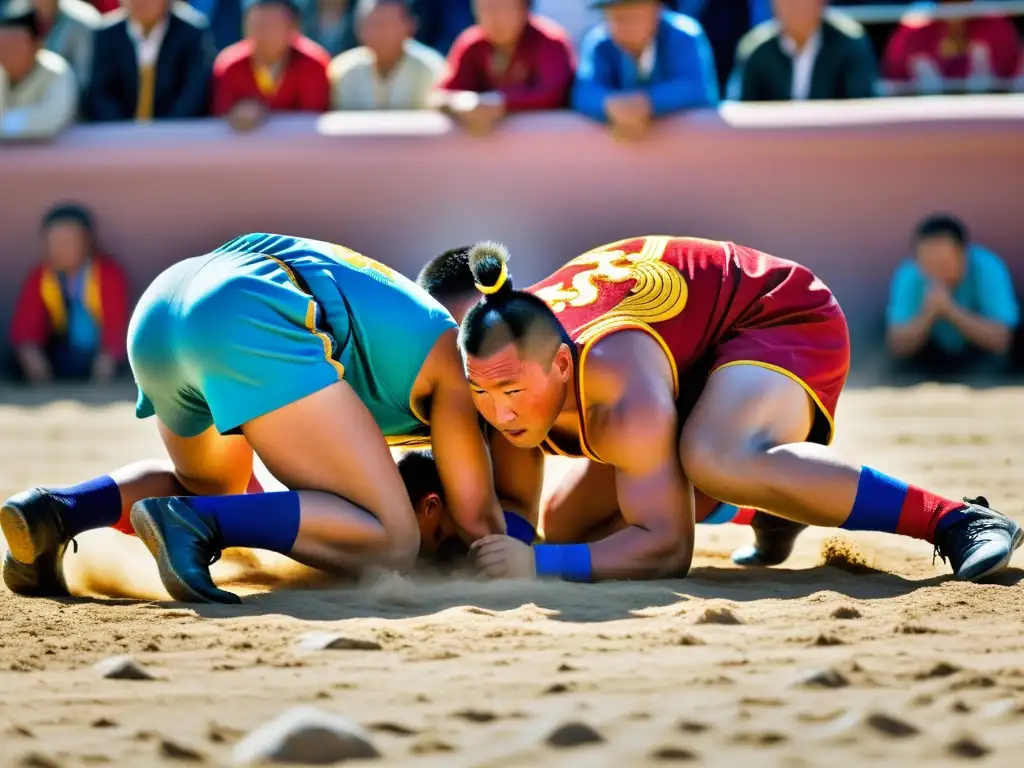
x=707, y=304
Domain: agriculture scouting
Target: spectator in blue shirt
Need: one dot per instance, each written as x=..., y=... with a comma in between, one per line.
x=642, y=63
x=953, y=303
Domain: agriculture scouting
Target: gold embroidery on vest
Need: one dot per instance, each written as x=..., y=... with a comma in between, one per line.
x=658, y=294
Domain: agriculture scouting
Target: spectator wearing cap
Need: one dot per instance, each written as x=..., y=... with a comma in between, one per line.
x=273, y=69
x=509, y=62
x=152, y=62
x=38, y=92
x=805, y=52
x=390, y=70
x=67, y=28
x=442, y=21
x=952, y=306
x=71, y=318
x=643, y=62
x=929, y=56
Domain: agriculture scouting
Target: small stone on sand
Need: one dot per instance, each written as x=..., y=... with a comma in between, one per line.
x=35, y=760
x=122, y=668
x=890, y=726
x=968, y=747
x=574, y=735
x=673, y=754
x=822, y=678
x=719, y=616
x=175, y=751
x=306, y=736
x=103, y=722
x=846, y=612
x=326, y=641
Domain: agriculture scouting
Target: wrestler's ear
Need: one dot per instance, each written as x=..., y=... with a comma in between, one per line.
x=563, y=362
x=431, y=506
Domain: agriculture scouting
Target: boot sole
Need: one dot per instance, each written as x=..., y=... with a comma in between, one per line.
x=149, y=531
x=1018, y=539
x=18, y=534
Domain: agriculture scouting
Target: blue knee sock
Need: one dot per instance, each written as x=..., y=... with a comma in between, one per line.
x=255, y=520
x=93, y=504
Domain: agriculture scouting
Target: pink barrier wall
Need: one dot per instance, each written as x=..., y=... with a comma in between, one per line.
x=836, y=186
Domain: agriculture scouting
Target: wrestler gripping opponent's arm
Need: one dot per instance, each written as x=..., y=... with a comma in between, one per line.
x=459, y=447
x=521, y=368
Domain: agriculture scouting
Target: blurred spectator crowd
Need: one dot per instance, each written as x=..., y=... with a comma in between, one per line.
x=621, y=62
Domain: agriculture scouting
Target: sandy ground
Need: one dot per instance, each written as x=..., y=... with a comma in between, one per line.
x=706, y=670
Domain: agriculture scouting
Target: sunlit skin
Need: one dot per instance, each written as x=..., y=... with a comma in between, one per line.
x=799, y=19
x=632, y=26
x=501, y=21
x=17, y=53
x=146, y=13
x=270, y=30
x=632, y=425
x=942, y=259
x=744, y=442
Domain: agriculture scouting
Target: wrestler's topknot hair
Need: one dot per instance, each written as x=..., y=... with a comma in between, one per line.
x=507, y=315
x=448, y=276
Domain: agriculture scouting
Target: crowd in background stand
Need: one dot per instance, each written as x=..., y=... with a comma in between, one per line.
x=623, y=63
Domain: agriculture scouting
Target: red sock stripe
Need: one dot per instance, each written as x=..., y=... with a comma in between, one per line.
x=744, y=516
x=922, y=511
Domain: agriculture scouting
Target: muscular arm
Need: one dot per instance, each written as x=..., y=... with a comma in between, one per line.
x=637, y=432
x=460, y=449
x=518, y=477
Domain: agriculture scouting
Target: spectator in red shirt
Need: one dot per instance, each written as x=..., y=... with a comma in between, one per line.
x=71, y=317
x=274, y=69
x=969, y=55
x=509, y=62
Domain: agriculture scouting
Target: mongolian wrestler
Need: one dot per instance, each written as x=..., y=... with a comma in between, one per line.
x=678, y=360
x=315, y=358
x=587, y=492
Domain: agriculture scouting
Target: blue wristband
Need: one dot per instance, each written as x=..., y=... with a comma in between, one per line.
x=570, y=562
x=519, y=528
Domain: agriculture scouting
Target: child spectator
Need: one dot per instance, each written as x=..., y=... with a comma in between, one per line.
x=71, y=318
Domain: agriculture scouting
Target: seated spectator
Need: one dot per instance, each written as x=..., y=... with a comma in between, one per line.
x=330, y=24
x=71, y=318
x=509, y=62
x=952, y=305
x=153, y=62
x=224, y=20
x=274, y=69
x=806, y=52
x=68, y=27
x=442, y=21
x=929, y=56
x=390, y=70
x=642, y=63
x=38, y=92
